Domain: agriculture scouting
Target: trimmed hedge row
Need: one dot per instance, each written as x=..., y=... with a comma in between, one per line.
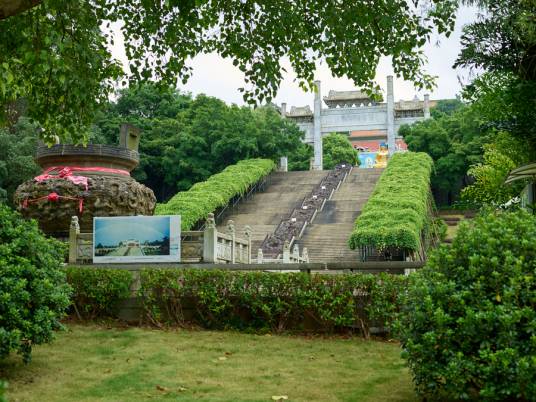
x=398, y=210
x=207, y=196
x=97, y=292
x=258, y=301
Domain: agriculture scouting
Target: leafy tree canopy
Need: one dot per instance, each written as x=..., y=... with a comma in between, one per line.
x=338, y=149
x=55, y=53
x=454, y=141
x=17, y=147
x=186, y=140
x=500, y=157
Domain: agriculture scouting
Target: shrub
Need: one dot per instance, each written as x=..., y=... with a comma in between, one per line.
x=207, y=196
x=97, y=292
x=33, y=291
x=268, y=301
x=468, y=328
x=399, y=208
x=3, y=388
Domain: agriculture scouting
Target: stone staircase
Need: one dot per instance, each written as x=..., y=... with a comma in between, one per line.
x=326, y=238
x=264, y=210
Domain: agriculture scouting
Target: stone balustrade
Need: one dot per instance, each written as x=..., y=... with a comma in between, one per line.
x=197, y=246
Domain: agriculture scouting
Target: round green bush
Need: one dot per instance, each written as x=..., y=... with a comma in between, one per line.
x=468, y=327
x=33, y=292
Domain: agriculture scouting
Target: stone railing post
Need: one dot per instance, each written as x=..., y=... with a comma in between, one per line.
x=305, y=254
x=296, y=253
x=283, y=164
x=231, y=231
x=286, y=252
x=74, y=231
x=248, y=233
x=210, y=240
x=260, y=257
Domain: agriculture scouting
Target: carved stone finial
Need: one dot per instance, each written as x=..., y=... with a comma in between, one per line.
x=74, y=223
x=296, y=251
x=248, y=232
x=211, y=223
x=286, y=245
x=230, y=226
x=260, y=256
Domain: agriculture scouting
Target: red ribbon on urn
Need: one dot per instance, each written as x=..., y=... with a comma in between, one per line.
x=66, y=172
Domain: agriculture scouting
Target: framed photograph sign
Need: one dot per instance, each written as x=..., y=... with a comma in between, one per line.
x=124, y=239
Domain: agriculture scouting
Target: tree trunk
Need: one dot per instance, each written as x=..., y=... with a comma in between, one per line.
x=9, y=8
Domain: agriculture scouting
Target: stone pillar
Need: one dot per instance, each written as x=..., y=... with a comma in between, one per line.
x=210, y=241
x=317, y=132
x=286, y=252
x=296, y=253
x=248, y=233
x=283, y=164
x=283, y=110
x=391, y=143
x=426, y=106
x=260, y=256
x=305, y=254
x=231, y=231
x=74, y=230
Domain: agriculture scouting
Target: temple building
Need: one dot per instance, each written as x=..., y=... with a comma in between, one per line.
x=368, y=121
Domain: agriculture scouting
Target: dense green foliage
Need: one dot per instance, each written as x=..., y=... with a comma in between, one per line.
x=207, y=196
x=502, y=42
x=65, y=86
x=337, y=149
x=268, y=301
x=33, y=291
x=97, y=292
x=453, y=138
x=185, y=140
x=468, y=325
x=398, y=211
x=17, y=147
x=500, y=157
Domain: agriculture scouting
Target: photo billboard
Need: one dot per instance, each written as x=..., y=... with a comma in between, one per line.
x=125, y=239
x=367, y=160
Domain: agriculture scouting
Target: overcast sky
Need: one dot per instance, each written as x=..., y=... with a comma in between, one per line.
x=215, y=76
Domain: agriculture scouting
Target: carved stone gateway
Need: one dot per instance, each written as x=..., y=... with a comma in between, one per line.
x=85, y=181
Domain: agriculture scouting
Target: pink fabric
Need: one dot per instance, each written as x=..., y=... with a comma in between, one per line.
x=66, y=172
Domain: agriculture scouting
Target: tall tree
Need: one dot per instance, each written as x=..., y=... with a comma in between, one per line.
x=454, y=140
x=55, y=52
x=338, y=149
x=186, y=140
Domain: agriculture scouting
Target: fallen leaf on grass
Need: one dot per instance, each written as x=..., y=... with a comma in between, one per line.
x=182, y=389
x=161, y=388
x=222, y=358
x=279, y=397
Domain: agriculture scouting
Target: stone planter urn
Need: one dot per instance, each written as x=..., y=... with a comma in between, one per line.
x=85, y=181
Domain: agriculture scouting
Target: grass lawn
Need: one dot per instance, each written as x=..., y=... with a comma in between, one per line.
x=91, y=363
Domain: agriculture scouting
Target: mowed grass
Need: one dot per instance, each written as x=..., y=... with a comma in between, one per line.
x=90, y=363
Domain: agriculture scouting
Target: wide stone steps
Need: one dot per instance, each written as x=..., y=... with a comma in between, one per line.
x=264, y=210
x=327, y=237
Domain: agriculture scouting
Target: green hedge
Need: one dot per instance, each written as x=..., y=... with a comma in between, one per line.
x=398, y=210
x=98, y=291
x=207, y=196
x=269, y=301
x=468, y=325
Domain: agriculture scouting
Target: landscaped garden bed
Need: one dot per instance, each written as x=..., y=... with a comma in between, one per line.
x=250, y=301
x=397, y=218
x=205, y=197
